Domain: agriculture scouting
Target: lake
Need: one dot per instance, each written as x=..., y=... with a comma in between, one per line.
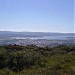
x=47, y=37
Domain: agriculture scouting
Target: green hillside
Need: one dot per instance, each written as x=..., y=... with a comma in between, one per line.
x=33, y=60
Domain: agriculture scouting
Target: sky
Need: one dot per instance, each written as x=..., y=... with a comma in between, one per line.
x=37, y=15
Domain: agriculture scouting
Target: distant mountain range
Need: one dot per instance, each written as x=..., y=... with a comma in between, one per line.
x=36, y=38
x=31, y=34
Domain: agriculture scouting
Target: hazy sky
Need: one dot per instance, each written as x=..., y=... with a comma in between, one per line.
x=37, y=15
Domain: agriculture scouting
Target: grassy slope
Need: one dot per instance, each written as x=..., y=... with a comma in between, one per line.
x=33, y=60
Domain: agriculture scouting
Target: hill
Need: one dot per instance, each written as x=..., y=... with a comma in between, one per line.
x=33, y=60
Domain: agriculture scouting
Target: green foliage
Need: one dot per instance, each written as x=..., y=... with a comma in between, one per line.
x=33, y=60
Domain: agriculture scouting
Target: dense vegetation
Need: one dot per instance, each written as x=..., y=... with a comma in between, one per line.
x=33, y=60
